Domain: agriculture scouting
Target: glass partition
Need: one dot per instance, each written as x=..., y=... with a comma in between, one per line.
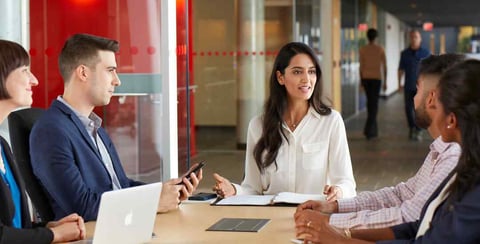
x=353, y=99
x=135, y=118
x=307, y=23
x=233, y=52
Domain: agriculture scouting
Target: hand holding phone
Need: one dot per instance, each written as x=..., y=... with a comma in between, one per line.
x=195, y=170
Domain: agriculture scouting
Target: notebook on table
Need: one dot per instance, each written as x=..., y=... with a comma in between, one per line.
x=282, y=198
x=127, y=215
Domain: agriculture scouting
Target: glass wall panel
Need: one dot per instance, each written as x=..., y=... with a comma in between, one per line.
x=134, y=117
x=350, y=75
x=233, y=52
x=307, y=23
x=185, y=87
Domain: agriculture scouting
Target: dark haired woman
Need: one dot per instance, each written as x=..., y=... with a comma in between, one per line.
x=299, y=144
x=16, y=83
x=453, y=212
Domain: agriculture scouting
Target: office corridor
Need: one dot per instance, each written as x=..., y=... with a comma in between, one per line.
x=390, y=159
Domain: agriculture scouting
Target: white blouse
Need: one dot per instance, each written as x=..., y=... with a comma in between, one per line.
x=315, y=155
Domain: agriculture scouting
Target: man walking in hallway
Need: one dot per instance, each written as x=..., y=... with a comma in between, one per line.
x=373, y=69
x=409, y=61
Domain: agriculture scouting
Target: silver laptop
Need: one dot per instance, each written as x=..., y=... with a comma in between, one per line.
x=127, y=215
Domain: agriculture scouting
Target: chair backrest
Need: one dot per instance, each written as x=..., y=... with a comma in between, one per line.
x=20, y=124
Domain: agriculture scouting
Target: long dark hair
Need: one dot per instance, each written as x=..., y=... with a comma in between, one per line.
x=276, y=105
x=459, y=94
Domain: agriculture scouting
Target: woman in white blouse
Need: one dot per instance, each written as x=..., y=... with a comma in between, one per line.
x=299, y=144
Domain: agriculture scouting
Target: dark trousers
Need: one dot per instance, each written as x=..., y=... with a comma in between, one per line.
x=410, y=108
x=372, y=90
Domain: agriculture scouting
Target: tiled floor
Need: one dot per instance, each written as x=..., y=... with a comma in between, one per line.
x=390, y=159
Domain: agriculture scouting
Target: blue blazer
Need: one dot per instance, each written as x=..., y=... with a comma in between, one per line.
x=68, y=165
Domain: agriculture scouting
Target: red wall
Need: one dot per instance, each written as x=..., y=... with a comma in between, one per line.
x=182, y=59
x=50, y=26
x=53, y=21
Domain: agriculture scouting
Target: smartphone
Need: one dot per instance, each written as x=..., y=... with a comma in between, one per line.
x=193, y=170
x=202, y=196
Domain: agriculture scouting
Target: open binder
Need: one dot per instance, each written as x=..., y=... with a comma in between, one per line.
x=282, y=198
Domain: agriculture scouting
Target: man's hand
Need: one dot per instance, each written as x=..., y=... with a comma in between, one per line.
x=190, y=185
x=223, y=187
x=170, y=195
x=400, y=75
x=320, y=206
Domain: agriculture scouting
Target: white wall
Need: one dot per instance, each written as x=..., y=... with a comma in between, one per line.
x=14, y=27
x=394, y=44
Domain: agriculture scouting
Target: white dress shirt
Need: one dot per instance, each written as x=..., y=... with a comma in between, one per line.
x=315, y=155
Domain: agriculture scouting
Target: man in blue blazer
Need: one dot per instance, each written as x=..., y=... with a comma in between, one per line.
x=71, y=154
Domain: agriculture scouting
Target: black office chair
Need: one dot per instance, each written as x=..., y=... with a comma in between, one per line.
x=20, y=124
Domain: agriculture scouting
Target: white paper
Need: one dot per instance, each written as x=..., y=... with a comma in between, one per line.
x=296, y=198
x=247, y=200
x=282, y=197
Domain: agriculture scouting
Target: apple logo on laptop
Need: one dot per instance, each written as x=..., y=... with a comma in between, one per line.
x=128, y=218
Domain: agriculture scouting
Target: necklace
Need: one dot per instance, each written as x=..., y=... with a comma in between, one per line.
x=294, y=118
x=292, y=124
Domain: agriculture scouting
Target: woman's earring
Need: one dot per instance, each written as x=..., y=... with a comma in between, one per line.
x=449, y=126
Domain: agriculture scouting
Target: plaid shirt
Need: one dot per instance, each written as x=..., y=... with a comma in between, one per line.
x=401, y=203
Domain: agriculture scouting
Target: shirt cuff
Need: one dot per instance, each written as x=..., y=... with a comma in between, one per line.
x=239, y=190
x=346, y=205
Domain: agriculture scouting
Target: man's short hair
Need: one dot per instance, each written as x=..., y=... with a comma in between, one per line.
x=372, y=34
x=438, y=64
x=83, y=49
x=414, y=31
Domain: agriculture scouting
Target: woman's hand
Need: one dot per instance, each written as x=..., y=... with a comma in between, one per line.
x=312, y=216
x=320, y=232
x=69, y=228
x=333, y=193
x=223, y=187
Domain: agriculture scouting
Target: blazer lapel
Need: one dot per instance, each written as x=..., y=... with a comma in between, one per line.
x=435, y=194
x=26, y=222
x=81, y=128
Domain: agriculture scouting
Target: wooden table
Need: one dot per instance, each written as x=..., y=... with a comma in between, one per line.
x=188, y=224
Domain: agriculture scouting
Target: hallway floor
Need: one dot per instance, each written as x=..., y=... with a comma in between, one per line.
x=385, y=161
